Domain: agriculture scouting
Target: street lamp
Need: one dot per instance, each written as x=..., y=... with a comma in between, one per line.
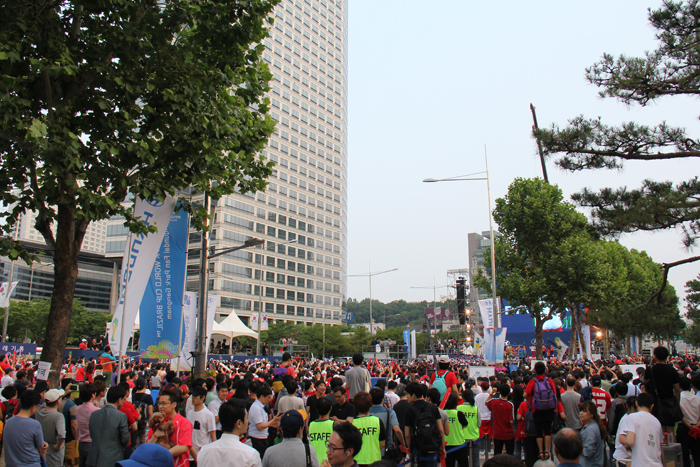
x=208, y=253
x=257, y=346
x=370, y=274
x=462, y=178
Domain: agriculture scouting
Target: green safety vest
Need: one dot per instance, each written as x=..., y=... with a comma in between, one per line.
x=371, y=451
x=319, y=432
x=456, y=436
x=470, y=431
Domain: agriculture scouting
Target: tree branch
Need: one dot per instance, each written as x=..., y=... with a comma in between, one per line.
x=42, y=223
x=666, y=267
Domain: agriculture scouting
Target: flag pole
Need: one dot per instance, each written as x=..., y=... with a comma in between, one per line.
x=121, y=328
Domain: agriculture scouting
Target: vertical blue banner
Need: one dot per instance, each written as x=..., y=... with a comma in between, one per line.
x=161, y=306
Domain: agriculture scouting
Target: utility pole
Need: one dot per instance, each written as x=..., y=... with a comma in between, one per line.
x=200, y=358
x=539, y=143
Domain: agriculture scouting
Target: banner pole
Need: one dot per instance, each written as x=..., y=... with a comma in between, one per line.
x=184, y=287
x=121, y=328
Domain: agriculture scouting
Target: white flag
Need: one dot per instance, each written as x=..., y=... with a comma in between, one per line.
x=212, y=305
x=254, y=322
x=139, y=255
x=6, y=290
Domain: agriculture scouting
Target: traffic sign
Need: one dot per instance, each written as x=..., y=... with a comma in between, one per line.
x=349, y=317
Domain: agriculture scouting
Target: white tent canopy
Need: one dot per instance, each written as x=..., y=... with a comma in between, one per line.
x=232, y=327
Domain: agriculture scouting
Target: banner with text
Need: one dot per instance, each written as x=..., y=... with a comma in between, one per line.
x=442, y=314
x=486, y=309
x=189, y=333
x=139, y=255
x=161, y=306
x=500, y=344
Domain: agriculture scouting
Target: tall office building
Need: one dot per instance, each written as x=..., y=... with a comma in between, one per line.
x=298, y=274
x=477, y=246
x=300, y=270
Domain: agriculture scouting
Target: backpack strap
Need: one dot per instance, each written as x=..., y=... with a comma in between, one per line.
x=308, y=455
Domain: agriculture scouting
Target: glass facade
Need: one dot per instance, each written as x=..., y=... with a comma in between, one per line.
x=298, y=274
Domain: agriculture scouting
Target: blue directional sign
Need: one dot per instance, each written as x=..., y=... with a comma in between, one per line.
x=349, y=317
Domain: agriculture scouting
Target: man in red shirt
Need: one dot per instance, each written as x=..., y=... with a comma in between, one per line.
x=543, y=417
x=445, y=373
x=502, y=421
x=601, y=398
x=181, y=439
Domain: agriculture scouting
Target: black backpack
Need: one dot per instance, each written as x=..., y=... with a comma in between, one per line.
x=426, y=434
x=141, y=424
x=530, y=422
x=10, y=406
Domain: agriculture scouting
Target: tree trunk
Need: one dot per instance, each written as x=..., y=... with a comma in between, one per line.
x=65, y=277
x=579, y=331
x=538, y=334
x=574, y=336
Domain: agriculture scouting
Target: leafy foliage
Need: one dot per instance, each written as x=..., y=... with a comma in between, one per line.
x=692, y=289
x=27, y=321
x=104, y=100
x=537, y=230
x=397, y=313
x=673, y=69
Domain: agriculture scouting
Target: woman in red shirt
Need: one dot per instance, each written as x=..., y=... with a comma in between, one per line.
x=543, y=417
x=85, y=373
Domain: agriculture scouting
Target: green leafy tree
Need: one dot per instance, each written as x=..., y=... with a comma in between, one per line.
x=27, y=321
x=533, y=221
x=692, y=290
x=575, y=279
x=633, y=276
x=670, y=70
x=101, y=100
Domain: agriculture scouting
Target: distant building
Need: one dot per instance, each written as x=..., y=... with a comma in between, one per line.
x=95, y=286
x=477, y=245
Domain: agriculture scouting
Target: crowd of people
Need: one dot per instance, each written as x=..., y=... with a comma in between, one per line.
x=295, y=412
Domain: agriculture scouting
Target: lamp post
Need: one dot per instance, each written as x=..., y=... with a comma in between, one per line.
x=207, y=254
x=496, y=315
x=370, y=274
x=257, y=346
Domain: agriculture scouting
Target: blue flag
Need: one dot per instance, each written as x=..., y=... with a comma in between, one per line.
x=161, y=306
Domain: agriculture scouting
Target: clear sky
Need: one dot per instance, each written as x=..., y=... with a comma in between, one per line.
x=431, y=83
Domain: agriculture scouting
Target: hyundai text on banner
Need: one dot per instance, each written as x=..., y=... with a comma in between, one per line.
x=139, y=256
x=486, y=309
x=161, y=306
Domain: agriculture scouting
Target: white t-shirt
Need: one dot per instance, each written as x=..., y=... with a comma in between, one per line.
x=214, y=408
x=480, y=400
x=632, y=390
x=6, y=380
x=620, y=451
x=203, y=422
x=647, y=439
